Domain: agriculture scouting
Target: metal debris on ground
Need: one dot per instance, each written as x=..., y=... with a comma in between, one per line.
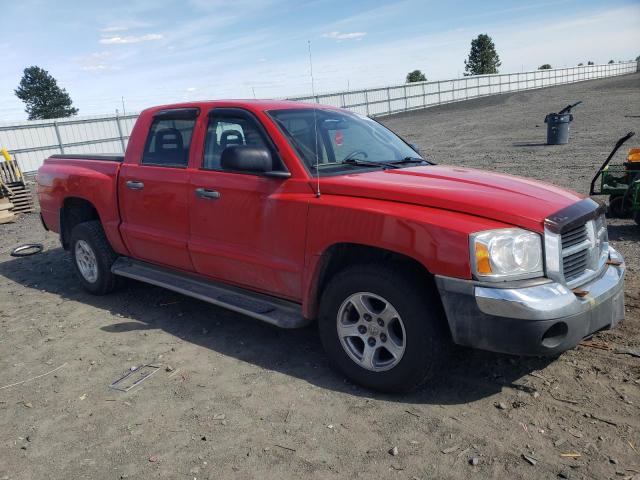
x=285, y=448
x=571, y=455
x=34, y=378
x=27, y=249
x=628, y=351
x=529, y=459
x=134, y=377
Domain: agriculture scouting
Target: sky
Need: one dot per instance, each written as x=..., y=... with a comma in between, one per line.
x=152, y=52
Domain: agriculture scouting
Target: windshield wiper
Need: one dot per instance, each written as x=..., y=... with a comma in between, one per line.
x=410, y=160
x=366, y=163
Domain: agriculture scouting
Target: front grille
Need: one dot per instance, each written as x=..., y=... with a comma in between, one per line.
x=574, y=237
x=575, y=255
x=575, y=264
x=575, y=252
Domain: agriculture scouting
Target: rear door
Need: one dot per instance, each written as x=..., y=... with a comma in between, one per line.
x=246, y=228
x=154, y=192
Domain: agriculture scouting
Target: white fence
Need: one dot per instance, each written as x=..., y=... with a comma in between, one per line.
x=31, y=142
x=410, y=96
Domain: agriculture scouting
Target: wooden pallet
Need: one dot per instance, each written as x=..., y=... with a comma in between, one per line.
x=21, y=197
x=10, y=172
x=13, y=181
x=6, y=213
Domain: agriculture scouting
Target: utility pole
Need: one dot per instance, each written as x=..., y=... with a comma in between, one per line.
x=124, y=112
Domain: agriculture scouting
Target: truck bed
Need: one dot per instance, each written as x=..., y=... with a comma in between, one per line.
x=90, y=178
x=104, y=158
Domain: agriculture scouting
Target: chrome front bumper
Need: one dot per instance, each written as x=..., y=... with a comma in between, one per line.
x=542, y=317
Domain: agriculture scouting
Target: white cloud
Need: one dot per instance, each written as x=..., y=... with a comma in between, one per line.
x=118, y=40
x=113, y=28
x=95, y=62
x=344, y=36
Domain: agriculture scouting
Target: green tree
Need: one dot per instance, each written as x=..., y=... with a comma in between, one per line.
x=483, y=58
x=42, y=95
x=580, y=64
x=638, y=58
x=590, y=63
x=416, y=76
x=546, y=66
x=611, y=61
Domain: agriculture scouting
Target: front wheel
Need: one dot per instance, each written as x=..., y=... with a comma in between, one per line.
x=382, y=328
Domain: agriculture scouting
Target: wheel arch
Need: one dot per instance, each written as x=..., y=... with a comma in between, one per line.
x=339, y=256
x=75, y=210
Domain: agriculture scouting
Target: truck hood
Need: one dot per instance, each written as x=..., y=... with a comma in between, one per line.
x=505, y=198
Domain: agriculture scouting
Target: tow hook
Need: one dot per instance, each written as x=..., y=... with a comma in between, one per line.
x=580, y=293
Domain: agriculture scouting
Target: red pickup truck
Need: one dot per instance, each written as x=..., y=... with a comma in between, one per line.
x=290, y=212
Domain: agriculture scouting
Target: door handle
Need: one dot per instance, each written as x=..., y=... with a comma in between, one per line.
x=135, y=185
x=207, y=194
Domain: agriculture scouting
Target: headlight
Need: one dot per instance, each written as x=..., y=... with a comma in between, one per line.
x=506, y=254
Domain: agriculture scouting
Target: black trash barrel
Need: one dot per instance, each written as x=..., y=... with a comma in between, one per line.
x=558, y=128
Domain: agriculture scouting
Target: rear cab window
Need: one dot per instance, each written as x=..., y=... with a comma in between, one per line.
x=169, y=138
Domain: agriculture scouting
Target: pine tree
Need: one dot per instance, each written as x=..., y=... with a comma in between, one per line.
x=42, y=95
x=483, y=58
x=416, y=76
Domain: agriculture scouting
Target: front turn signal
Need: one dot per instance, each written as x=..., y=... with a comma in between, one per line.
x=483, y=265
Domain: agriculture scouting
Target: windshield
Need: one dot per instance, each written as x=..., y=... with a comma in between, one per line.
x=344, y=140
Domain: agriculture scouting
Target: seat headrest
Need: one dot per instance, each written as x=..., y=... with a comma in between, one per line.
x=231, y=137
x=169, y=139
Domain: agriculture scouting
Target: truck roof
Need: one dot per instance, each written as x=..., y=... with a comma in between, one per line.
x=249, y=104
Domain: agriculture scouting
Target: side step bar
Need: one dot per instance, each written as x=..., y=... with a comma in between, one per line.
x=282, y=313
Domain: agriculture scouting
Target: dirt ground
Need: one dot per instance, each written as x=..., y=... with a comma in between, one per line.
x=235, y=398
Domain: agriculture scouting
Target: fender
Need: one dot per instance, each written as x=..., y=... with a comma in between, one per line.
x=436, y=239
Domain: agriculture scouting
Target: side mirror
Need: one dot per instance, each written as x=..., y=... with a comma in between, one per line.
x=242, y=158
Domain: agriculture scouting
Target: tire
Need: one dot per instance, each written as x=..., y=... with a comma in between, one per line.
x=619, y=206
x=90, y=248
x=420, y=321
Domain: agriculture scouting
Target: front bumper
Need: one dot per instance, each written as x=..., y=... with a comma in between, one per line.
x=534, y=318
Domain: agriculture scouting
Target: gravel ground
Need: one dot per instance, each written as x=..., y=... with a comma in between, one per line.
x=235, y=398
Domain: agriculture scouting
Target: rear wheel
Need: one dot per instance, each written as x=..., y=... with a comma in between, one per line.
x=92, y=258
x=381, y=328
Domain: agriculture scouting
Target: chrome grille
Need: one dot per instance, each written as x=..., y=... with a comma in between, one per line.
x=579, y=253
x=574, y=237
x=575, y=252
x=583, y=252
x=575, y=264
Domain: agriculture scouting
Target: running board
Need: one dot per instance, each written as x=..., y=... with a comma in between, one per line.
x=275, y=311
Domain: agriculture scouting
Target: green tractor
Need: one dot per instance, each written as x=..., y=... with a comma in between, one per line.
x=621, y=183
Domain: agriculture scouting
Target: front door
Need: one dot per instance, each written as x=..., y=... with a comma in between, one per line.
x=246, y=229
x=154, y=192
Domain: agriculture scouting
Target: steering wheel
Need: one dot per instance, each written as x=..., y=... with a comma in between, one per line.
x=355, y=153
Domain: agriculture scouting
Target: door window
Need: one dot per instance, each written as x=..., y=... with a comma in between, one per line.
x=168, y=142
x=228, y=129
